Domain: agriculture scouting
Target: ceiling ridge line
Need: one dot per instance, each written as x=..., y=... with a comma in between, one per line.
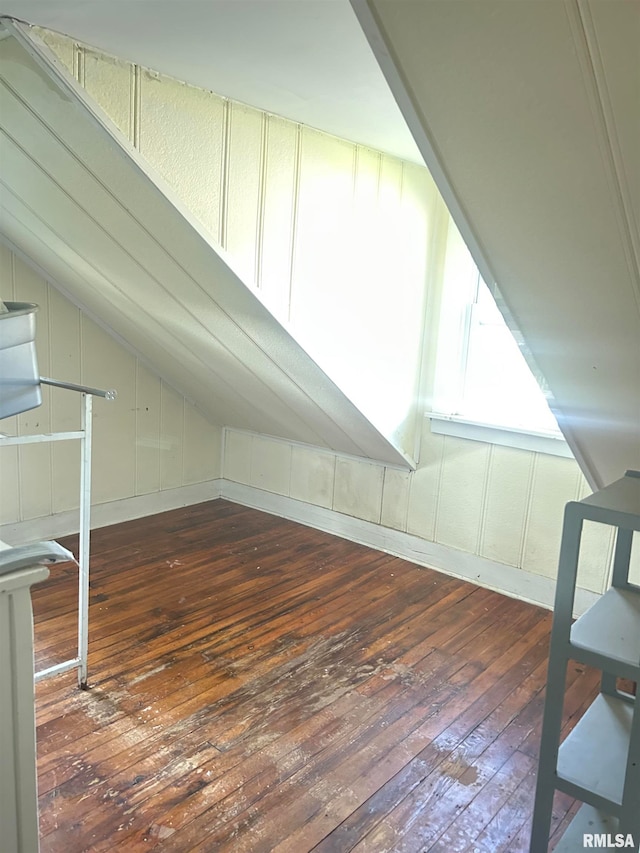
x=594, y=76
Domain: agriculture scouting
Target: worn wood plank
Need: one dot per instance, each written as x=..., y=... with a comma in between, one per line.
x=256, y=685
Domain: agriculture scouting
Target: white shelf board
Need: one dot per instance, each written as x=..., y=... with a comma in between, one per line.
x=611, y=627
x=621, y=497
x=588, y=821
x=594, y=755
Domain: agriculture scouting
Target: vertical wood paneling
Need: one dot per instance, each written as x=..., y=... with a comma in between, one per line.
x=394, y=324
x=425, y=486
x=555, y=482
x=35, y=460
x=367, y=232
x=244, y=173
x=368, y=251
x=460, y=501
x=147, y=431
x=320, y=224
x=237, y=456
x=423, y=501
x=181, y=136
x=323, y=231
x=367, y=339
x=437, y=251
x=171, y=437
x=135, y=104
x=418, y=209
x=109, y=82
x=64, y=320
x=10, y=492
x=278, y=216
x=506, y=505
x=270, y=465
x=6, y=274
x=37, y=480
x=66, y=364
x=312, y=476
x=63, y=48
x=358, y=489
x=223, y=204
x=30, y=287
x=114, y=424
x=390, y=199
x=499, y=493
x=395, y=498
x=201, y=447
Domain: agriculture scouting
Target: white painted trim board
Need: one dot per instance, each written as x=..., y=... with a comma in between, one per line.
x=507, y=580
x=502, y=578
x=113, y=512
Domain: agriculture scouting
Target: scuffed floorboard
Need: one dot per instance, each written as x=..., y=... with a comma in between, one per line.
x=256, y=685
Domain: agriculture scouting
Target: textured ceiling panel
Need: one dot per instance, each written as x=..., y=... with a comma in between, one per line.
x=79, y=202
x=528, y=116
x=307, y=61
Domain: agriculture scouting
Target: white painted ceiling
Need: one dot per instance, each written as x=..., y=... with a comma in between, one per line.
x=306, y=60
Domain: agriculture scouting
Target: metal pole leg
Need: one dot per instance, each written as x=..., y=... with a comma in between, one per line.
x=85, y=533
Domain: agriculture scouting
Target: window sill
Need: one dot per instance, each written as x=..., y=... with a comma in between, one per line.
x=536, y=442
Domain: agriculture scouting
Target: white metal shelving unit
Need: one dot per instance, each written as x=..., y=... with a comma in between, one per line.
x=599, y=761
x=84, y=436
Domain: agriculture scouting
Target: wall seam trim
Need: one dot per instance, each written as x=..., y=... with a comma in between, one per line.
x=297, y=169
x=262, y=190
x=136, y=106
x=527, y=511
x=440, y=475
x=483, y=502
x=224, y=173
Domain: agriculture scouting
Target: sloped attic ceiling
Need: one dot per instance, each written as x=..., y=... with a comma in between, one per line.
x=79, y=202
x=528, y=116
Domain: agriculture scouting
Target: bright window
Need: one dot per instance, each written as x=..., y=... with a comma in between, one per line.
x=482, y=375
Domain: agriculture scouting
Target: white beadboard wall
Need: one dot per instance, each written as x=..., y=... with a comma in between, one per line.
x=313, y=222
x=149, y=440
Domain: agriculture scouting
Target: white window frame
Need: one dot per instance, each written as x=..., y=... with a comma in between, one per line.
x=451, y=414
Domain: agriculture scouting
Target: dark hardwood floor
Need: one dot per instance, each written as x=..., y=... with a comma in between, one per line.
x=256, y=685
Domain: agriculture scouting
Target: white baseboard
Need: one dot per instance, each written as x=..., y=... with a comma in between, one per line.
x=102, y=515
x=508, y=580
